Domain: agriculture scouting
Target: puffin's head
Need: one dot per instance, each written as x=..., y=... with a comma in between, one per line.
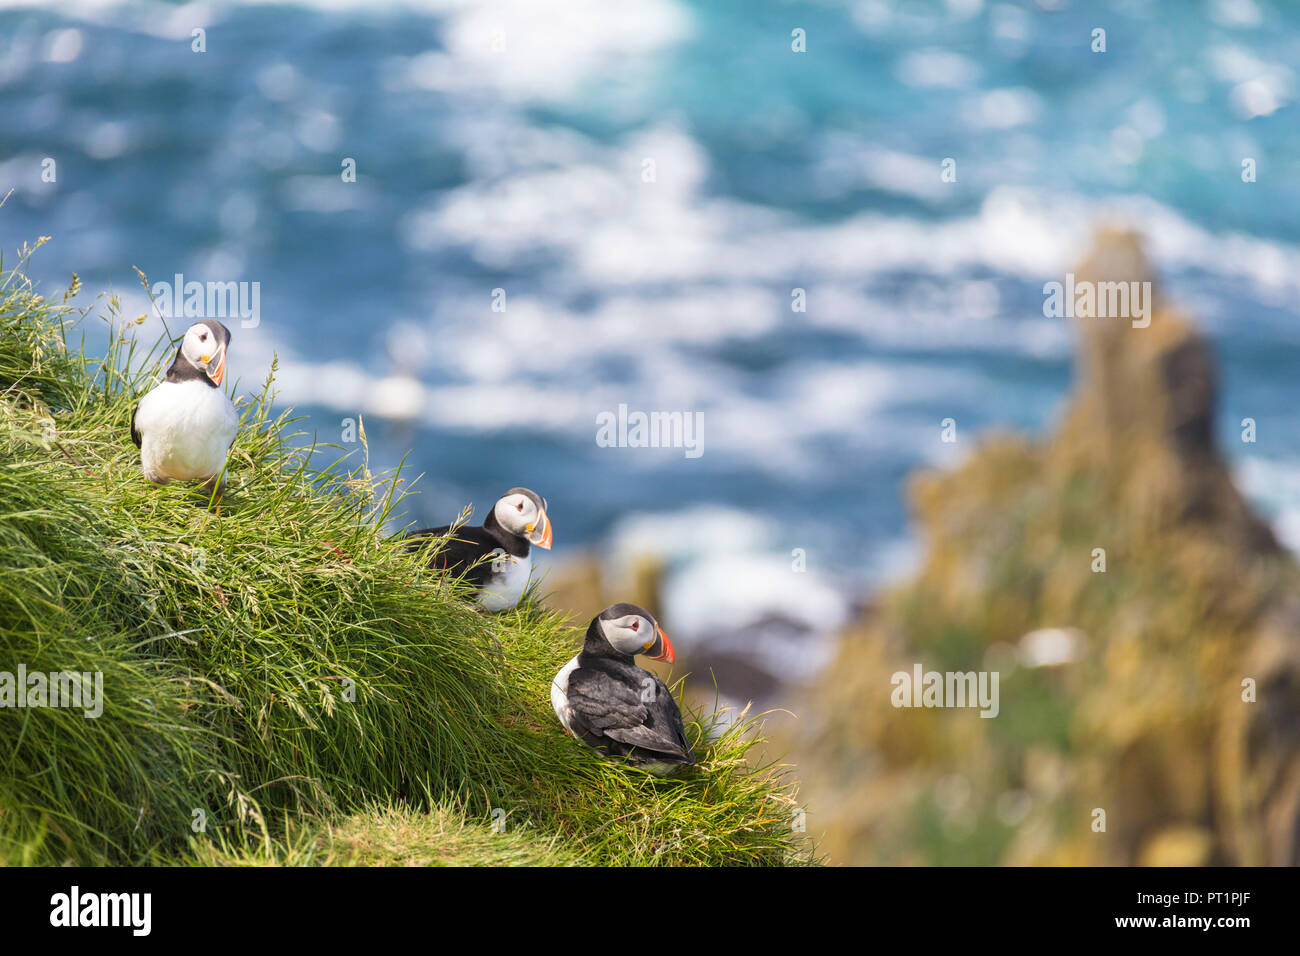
x=204, y=347
x=523, y=513
x=631, y=630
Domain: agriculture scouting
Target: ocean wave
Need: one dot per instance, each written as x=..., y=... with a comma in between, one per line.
x=607, y=226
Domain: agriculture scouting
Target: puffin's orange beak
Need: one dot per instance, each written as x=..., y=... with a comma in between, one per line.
x=541, y=537
x=220, y=372
x=667, y=655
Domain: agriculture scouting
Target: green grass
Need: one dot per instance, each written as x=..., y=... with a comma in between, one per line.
x=393, y=836
x=275, y=666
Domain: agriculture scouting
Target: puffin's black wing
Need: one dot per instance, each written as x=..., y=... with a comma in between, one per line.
x=135, y=434
x=463, y=554
x=627, y=710
x=666, y=718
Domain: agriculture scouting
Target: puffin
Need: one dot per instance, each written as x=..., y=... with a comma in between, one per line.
x=497, y=557
x=606, y=701
x=185, y=426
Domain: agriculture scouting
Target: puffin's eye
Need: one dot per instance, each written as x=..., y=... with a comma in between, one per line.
x=636, y=625
x=520, y=506
x=203, y=336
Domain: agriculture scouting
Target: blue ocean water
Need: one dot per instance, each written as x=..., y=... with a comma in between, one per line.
x=647, y=182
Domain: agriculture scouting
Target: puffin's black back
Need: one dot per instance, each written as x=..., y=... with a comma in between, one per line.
x=605, y=693
x=466, y=553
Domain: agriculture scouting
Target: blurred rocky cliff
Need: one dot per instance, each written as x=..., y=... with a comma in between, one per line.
x=1124, y=690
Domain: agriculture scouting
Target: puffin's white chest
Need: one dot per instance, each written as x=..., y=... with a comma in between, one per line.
x=185, y=430
x=507, y=581
x=560, y=693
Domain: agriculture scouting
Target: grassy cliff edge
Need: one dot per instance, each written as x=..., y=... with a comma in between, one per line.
x=281, y=684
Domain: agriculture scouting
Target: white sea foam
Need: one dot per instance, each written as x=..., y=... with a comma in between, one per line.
x=1273, y=485
x=609, y=228
x=937, y=68
x=525, y=51
x=517, y=49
